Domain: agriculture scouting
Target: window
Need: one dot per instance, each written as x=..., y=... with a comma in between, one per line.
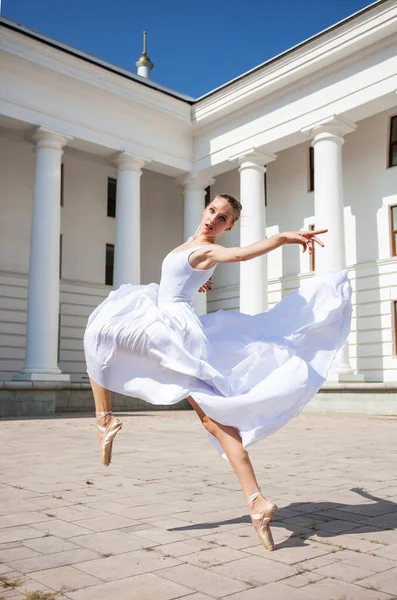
x=109, y=264
x=313, y=254
x=311, y=169
x=395, y=325
x=59, y=337
x=265, y=186
x=393, y=229
x=62, y=182
x=60, y=255
x=207, y=195
x=112, y=191
x=393, y=142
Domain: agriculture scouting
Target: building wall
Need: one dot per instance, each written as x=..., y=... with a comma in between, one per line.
x=370, y=188
x=86, y=230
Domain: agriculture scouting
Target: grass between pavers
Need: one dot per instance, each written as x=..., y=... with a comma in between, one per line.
x=6, y=583
x=41, y=595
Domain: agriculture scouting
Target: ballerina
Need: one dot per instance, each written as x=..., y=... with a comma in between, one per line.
x=245, y=376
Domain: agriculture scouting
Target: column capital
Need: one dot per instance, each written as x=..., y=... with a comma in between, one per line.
x=335, y=126
x=44, y=137
x=124, y=161
x=253, y=158
x=195, y=181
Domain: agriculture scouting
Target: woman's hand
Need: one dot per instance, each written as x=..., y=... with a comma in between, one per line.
x=207, y=286
x=307, y=239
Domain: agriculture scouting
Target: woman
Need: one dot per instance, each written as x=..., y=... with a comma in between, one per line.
x=245, y=376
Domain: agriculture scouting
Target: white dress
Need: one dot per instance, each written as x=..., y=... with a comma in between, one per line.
x=251, y=372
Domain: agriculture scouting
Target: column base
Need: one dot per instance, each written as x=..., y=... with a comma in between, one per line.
x=346, y=377
x=34, y=376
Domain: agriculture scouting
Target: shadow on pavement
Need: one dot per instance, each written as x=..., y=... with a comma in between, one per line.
x=322, y=519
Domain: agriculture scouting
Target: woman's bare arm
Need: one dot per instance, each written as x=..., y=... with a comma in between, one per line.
x=208, y=255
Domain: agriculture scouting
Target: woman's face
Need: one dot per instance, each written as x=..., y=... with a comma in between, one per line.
x=218, y=216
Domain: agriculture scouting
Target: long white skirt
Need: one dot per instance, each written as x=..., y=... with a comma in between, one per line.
x=250, y=372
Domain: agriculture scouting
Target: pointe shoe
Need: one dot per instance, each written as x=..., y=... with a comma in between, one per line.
x=263, y=531
x=109, y=432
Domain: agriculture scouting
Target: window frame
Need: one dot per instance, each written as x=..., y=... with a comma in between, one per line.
x=392, y=142
x=60, y=255
x=109, y=211
x=62, y=184
x=207, y=198
x=109, y=267
x=394, y=306
x=311, y=169
x=393, y=232
x=312, y=256
x=265, y=186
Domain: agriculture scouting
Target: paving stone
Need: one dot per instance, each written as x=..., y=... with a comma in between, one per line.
x=14, y=534
x=60, y=528
x=49, y=545
x=113, y=542
x=303, y=579
x=255, y=570
x=141, y=587
x=231, y=540
x=318, y=562
x=212, y=557
x=343, y=572
x=291, y=554
x=363, y=561
x=21, y=519
x=273, y=591
x=160, y=536
x=385, y=581
x=17, y=553
x=348, y=542
x=105, y=523
x=389, y=552
x=5, y=569
x=60, y=577
x=176, y=549
x=336, y=526
x=331, y=589
x=48, y=561
x=125, y=565
x=27, y=586
x=203, y=580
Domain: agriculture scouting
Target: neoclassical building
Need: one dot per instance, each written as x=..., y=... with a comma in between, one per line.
x=103, y=172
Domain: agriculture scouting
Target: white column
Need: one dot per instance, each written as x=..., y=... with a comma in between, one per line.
x=43, y=292
x=194, y=203
x=253, y=273
x=328, y=192
x=127, y=250
x=329, y=205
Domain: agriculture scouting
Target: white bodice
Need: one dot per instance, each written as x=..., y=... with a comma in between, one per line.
x=180, y=282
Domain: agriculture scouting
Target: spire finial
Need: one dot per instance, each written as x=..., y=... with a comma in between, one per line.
x=144, y=42
x=144, y=64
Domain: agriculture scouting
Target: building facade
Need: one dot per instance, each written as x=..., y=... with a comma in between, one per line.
x=103, y=172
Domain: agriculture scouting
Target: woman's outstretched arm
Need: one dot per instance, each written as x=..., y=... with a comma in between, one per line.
x=208, y=255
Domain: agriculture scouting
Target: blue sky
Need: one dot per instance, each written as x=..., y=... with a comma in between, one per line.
x=196, y=46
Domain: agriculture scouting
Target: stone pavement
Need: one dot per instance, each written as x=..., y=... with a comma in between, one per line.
x=167, y=519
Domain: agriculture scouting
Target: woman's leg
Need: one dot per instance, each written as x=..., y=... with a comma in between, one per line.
x=103, y=402
x=107, y=424
x=238, y=457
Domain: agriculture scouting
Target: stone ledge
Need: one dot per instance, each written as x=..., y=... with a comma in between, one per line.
x=19, y=399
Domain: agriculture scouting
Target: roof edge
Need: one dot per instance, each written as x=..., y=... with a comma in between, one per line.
x=274, y=59
x=13, y=25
